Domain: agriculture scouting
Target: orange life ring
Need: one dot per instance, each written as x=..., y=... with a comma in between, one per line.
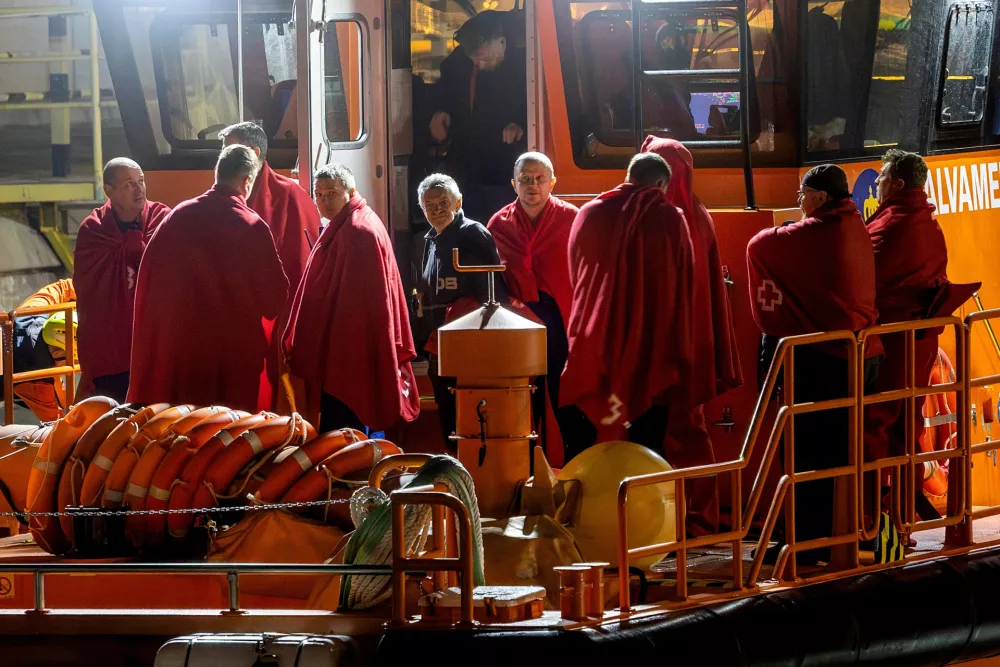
x=941, y=436
x=43, y=482
x=358, y=456
x=257, y=441
x=74, y=472
x=110, y=489
x=304, y=459
x=183, y=490
x=180, y=452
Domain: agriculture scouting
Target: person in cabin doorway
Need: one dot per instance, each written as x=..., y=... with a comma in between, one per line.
x=294, y=223
x=209, y=279
x=348, y=334
x=532, y=238
x=109, y=250
x=811, y=276
x=716, y=364
x=481, y=108
x=911, y=283
x=449, y=293
x=630, y=327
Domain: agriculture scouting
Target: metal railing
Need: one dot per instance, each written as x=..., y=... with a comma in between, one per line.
x=67, y=372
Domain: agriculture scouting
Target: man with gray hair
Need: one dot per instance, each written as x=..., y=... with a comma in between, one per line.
x=294, y=223
x=209, y=280
x=106, y=260
x=348, y=335
x=448, y=293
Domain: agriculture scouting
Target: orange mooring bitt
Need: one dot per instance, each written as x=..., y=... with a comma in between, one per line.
x=493, y=353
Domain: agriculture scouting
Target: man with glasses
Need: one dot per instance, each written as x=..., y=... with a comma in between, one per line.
x=810, y=276
x=449, y=293
x=348, y=333
x=532, y=237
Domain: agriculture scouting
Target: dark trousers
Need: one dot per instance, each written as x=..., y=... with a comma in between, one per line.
x=445, y=400
x=649, y=430
x=821, y=441
x=556, y=352
x=334, y=414
x=112, y=386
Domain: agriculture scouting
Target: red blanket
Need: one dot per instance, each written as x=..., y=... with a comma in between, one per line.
x=536, y=254
x=106, y=264
x=349, y=328
x=815, y=275
x=630, y=327
x=209, y=277
x=716, y=366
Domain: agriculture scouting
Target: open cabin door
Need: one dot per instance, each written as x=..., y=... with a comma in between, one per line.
x=342, y=56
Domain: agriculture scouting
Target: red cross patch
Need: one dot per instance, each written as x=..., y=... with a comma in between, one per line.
x=769, y=296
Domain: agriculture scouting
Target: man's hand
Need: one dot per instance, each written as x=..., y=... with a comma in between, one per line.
x=517, y=304
x=513, y=132
x=440, y=123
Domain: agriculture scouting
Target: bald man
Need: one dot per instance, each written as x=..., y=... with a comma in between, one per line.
x=109, y=248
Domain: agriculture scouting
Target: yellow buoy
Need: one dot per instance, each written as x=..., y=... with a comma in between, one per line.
x=651, y=511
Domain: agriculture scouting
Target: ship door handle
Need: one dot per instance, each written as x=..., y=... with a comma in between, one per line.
x=727, y=419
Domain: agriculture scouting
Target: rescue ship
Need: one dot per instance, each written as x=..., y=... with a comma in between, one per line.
x=179, y=534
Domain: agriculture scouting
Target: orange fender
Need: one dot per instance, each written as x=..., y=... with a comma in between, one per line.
x=358, y=456
x=272, y=434
x=20, y=442
x=304, y=459
x=121, y=469
x=182, y=493
x=43, y=482
x=71, y=481
x=179, y=453
x=936, y=438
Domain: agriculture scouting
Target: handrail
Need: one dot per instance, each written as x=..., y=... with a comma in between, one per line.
x=68, y=371
x=401, y=562
x=735, y=467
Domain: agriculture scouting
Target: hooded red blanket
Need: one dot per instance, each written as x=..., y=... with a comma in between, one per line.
x=105, y=266
x=349, y=328
x=536, y=254
x=209, y=277
x=716, y=366
x=290, y=214
x=629, y=331
x=814, y=275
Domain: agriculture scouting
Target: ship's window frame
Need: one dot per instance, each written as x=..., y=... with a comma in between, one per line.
x=159, y=47
x=954, y=24
x=364, y=76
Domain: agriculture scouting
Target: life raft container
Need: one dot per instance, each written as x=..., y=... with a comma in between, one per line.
x=100, y=469
x=302, y=460
x=259, y=440
x=74, y=472
x=168, y=472
x=43, y=482
x=183, y=490
x=939, y=426
x=353, y=458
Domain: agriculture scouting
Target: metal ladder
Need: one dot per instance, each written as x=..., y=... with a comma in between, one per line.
x=731, y=9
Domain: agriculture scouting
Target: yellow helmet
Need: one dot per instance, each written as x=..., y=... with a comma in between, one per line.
x=54, y=331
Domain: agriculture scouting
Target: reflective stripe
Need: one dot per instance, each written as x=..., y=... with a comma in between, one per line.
x=49, y=467
x=103, y=462
x=136, y=490
x=113, y=496
x=183, y=409
x=304, y=461
x=159, y=494
x=255, y=444
x=225, y=437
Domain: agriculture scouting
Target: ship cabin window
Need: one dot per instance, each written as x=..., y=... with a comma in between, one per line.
x=194, y=61
x=968, y=50
x=344, y=109
x=596, y=53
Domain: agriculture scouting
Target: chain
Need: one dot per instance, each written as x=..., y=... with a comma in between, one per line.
x=198, y=510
